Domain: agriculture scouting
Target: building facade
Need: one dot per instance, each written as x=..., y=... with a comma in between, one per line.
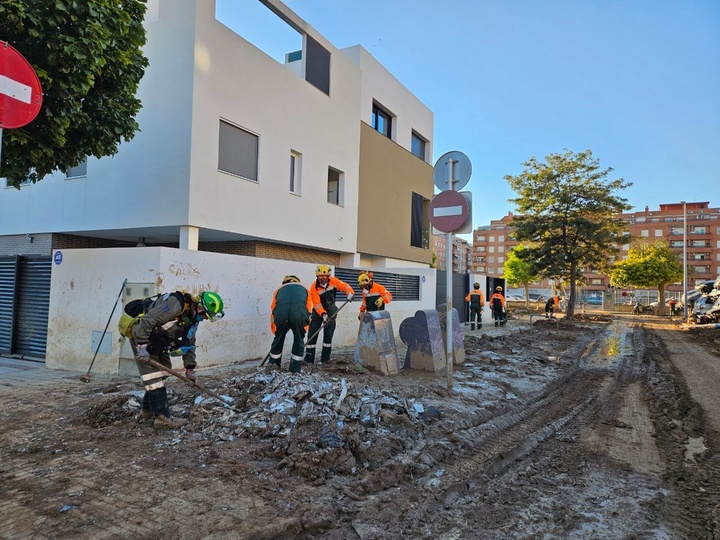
x=461, y=257
x=492, y=242
x=325, y=157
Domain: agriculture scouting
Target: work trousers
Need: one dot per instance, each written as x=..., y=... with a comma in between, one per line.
x=327, y=332
x=475, y=314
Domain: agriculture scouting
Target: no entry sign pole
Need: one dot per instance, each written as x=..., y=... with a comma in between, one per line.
x=448, y=285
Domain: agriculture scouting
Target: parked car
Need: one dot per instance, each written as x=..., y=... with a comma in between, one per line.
x=594, y=301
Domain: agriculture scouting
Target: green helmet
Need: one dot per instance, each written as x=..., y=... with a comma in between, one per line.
x=212, y=304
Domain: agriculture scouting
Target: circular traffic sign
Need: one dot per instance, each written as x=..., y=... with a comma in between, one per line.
x=448, y=211
x=20, y=90
x=462, y=170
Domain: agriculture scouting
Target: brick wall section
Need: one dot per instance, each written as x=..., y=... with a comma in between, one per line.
x=20, y=244
x=268, y=250
x=46, y=244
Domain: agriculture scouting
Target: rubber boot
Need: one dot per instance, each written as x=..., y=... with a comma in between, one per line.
x=325, y=355
x=295, y=366
x=146, y=413
x=472, y=327
x=275, y=363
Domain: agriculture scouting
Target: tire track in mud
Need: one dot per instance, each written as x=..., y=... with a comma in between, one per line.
x=693, y=502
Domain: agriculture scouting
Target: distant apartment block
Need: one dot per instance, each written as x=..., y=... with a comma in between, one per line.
x=491, y=243
x=462, y=254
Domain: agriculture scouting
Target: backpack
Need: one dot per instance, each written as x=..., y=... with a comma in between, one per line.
x=135, y=309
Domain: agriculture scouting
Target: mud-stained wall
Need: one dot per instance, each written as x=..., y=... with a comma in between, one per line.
x=86, y=283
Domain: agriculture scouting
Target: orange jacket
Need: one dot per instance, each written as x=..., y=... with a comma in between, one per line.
x=333, y=283
x=375, y=289
x=475, y=292
x=290, y=300
x=500, y=296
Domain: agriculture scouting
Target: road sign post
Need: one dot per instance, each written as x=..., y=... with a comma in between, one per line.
x=20, y=90
x=448, y=213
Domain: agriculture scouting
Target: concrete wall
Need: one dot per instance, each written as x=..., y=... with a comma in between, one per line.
x=82, y=298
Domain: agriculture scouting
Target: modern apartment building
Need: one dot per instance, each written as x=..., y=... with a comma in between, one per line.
x=492, y=242
x=461, y=257
x=322, y=158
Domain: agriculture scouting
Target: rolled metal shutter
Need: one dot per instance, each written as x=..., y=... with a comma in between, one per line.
x=8, y=277
x=33, y=305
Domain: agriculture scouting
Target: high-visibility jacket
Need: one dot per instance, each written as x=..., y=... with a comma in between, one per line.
x=291, y=302
x=323, y=298
x=497, y=295
x=553, y=301
x=475, y=297
x=370, y=296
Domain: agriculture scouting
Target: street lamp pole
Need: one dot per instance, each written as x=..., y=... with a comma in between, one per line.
x=685, y=308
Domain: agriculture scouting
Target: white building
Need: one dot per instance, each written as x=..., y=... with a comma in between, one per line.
x=239, y=154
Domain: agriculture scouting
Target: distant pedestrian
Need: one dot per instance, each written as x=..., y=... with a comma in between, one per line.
x=322, y=296
x=673, y=306
x=374, y=295
x=290, y=312
x=477, y=301
x=497, y=305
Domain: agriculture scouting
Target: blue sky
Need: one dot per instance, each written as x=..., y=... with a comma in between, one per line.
x=635, y=81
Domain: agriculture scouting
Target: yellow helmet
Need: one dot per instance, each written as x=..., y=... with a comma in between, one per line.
x=290, y=279
x=322, y=270
x=364, y=278
x=498, y=289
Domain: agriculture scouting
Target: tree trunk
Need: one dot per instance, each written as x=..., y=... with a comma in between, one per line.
x=661, y=299
x=571, y=300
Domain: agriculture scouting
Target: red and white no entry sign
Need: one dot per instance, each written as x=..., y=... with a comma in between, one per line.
x=20, y=91
x=448, y=211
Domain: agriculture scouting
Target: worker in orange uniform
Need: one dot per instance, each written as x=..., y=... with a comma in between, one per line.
x=289, y=312
x=552, y=304
x=477, y=301
x=497, y=304
x=374, y=295
x=322, y=296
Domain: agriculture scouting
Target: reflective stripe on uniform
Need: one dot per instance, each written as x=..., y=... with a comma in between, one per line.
x=296, y=358
x=275, y=356
x=328, y=345
x=153, y=375
x=155, y=386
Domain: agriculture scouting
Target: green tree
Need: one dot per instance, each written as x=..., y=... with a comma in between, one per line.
x=88, y=57
x=519, y=271
x=648, y=264
x=567, y=210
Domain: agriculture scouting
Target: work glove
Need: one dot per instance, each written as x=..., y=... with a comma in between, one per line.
x=325, y=318
x=350, y=296
x=379, y=303
x=142, y=354
x=190, y=374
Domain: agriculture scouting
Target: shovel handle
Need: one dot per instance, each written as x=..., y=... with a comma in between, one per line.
x=197, y=385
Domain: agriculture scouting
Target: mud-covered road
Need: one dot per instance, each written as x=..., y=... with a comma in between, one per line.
x=589, y=432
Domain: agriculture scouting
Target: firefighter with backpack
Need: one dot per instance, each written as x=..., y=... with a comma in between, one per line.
x=158, y=328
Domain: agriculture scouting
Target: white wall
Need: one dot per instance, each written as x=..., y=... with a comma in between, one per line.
x=82, y=298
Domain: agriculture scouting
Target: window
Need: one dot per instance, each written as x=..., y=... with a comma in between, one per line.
x=417, y=146
x=295, y=169
x=79, y=170
x=480, y=268
x=501, y=238
x=491, y=259
x=238, y=151
x=490, y=270
x=317, y=65
x=501, y=259
x=658, y=232
x=500, y=270
x=420, y=222
x=626, y=247
x=481, y=249
x=501, y=249
x=382, y=121
x=335, y=186
x=482, y=238
x=491, y=238
x=699, y=230
x=491, y=249
x=645, y=233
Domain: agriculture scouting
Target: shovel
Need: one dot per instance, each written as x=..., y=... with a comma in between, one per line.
x=197, y=385
x=323, y=325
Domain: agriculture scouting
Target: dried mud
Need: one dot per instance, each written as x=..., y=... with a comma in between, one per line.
x=584, y=429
